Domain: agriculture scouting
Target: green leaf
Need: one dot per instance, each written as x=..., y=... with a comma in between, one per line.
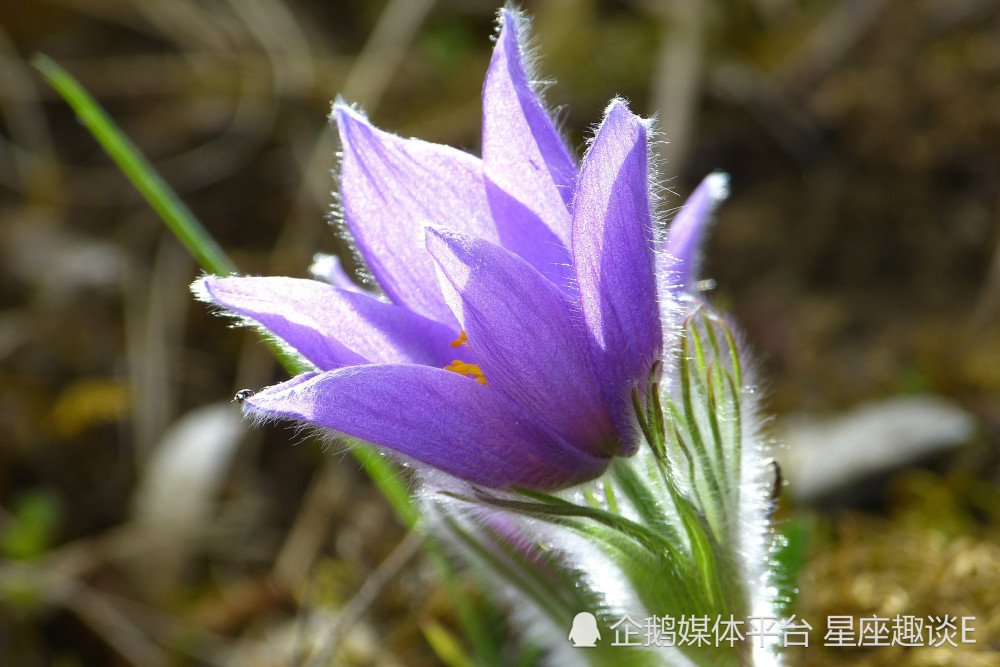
x=688, y=395
x=445, y=646
x=29, y=533
x=510, y=572
x=645, y=503
x=788, y=559
x=552, y=506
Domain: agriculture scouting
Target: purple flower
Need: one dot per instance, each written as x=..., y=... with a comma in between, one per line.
x=521, y=308
x=681, y=256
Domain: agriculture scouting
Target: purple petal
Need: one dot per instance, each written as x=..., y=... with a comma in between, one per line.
x=613, y=251
x=437, y=417
x=332, y=327
x=613, y=242
x=522, y=150
x=529, y=172
x=330, y=269
x=687, y=231
x=391, y=188
x=528, y=341
x=522, y=232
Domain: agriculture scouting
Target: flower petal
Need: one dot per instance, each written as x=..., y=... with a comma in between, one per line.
x=522, y=232
x=529, y=172
x=437, y=417
x=330, y=269
x=390, y=189
x=528, y=341
x=332, y=327
x=687, y=231
x=613, y=248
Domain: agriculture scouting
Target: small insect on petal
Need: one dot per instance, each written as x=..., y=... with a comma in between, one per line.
x=242, y=395
x=779, y=481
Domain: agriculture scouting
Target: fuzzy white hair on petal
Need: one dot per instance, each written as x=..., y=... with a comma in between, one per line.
x=202, y=293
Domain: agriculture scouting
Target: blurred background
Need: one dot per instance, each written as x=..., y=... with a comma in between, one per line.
x=142, y=524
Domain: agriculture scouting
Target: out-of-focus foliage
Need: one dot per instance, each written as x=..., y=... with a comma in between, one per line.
x=30, y=530
x=937, y=552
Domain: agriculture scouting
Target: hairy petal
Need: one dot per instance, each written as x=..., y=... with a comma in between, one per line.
x=528, y=341
x=331, y=327
x=330, y=269
x=391, y=188
x=687, y=232
x=613, y=254
x=436, y=417
x=529, y=171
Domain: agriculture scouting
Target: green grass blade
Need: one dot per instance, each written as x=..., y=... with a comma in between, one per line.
x=138, y=170
x=445, y=645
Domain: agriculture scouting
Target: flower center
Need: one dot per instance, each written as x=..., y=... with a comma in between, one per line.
x=458, y=366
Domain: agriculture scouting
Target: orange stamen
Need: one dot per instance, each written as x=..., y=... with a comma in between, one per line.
x=461, y=340
x=469, y=370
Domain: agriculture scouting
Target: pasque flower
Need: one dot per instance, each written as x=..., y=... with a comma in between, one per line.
x=521, y=310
